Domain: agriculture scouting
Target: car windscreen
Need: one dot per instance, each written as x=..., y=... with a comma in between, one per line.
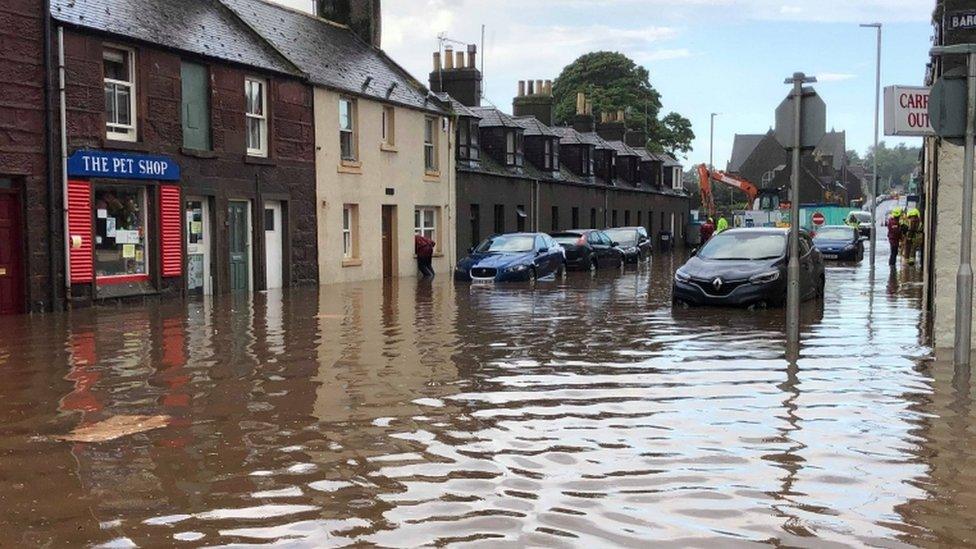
x=566, y=238
x=744, y=246
x=508, y=244
x=835, y=233
x=861, y=217
x=624, y=237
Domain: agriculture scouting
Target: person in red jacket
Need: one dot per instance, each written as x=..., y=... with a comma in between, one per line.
x=424, y=248
x=894, y=234
x=706, y=231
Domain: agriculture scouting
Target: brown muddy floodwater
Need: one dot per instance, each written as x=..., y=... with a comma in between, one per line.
x=576, y=413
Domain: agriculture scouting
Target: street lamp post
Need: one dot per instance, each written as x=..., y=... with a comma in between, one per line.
x=874, y=177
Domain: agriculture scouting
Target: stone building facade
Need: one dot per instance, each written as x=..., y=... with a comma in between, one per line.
x=190, y=146
x=29, y=263
x=523, y=173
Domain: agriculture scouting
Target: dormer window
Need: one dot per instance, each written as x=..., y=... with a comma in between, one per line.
x=514, y=151
x=550, y=155
x=468, y=148
x=587, y=160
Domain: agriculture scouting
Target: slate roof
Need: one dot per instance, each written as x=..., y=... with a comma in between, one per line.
x=457, y=107
x=332, y=55
x=833, y=144
x=534, y=127
x=203, y=27
x=623, y=149
x=494, y=118
x=644, y=154
x=600, y=142
x=569, y=136
x=670, y=161
x=742, y=148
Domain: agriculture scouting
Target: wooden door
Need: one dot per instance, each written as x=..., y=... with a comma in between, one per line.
x=11, y=256
x=389, y=241
x=238, y=240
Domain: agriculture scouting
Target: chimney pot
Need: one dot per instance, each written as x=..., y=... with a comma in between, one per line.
x=589, y=107
x=448, y=58
x=472, y=56
x=530, y=88
x=460, y=60
x=549, y=87
x=437, y=61
x=620, y=116
x=580, y=103
x=521, y=88
x=539, y=87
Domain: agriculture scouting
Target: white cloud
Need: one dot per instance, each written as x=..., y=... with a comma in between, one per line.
x=834, y=76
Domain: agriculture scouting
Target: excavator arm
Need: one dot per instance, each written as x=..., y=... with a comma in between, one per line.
x=705, y=185
x=705, y=182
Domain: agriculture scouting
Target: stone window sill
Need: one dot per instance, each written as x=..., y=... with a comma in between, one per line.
x=258, y=160
x=350, y=166
x=352, y=263
x=432, y=177
x=198, y=153
x=386, y=147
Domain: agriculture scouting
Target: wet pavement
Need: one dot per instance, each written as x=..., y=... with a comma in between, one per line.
x=582, y=412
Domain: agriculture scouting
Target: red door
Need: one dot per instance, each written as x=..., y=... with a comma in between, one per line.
x=11, y=260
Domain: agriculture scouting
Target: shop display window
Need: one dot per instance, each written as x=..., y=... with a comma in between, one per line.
x=120, y=232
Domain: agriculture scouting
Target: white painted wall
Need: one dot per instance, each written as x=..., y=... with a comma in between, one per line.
x=401, y=169
x=308, y=6
x=945, y=246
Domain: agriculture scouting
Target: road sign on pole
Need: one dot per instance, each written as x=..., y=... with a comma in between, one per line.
x=806, y=129
x=813, y=124
x=818, y=219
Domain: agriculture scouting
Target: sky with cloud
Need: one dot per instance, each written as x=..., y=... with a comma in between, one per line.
x=704, y=56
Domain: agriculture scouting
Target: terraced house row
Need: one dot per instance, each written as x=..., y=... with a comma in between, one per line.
x=173, y=148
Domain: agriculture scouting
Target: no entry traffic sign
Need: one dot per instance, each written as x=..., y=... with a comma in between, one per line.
x=818, y=219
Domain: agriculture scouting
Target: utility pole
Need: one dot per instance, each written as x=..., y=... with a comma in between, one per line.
x=874, y=177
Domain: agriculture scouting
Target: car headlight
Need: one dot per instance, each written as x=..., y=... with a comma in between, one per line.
x=765, y=278
x=682, y=276
x=516, y=268
x=848, y=248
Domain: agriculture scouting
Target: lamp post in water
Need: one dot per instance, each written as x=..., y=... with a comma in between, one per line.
x=874, y=178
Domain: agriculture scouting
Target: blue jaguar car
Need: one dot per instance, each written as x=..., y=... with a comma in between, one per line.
x=840, y=242
x=514, y=257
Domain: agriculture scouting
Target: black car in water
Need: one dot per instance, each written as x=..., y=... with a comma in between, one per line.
x=840, y=242
x=747, y=267
x=634, y=242
x=589, y=249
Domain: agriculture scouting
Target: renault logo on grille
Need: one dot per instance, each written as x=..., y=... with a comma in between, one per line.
x=717, y=284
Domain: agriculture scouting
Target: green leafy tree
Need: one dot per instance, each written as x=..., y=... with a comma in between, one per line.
x=895, y=165
x=613, y=82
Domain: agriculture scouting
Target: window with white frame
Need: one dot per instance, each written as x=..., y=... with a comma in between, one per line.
x=347, y=128
x=425, y=222
x=256, y=96
x=430, y=144
x=120, y=93
x=389, y=126
x=350, y=222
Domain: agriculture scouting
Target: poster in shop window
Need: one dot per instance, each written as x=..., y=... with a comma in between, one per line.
x=126, y=237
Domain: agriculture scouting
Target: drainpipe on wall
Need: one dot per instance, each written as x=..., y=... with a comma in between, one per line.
x=52, y=189
x=535, y=205
x=64, y=166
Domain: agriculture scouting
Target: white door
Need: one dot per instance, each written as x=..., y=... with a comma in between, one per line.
x=198, y=246
x=273, y=238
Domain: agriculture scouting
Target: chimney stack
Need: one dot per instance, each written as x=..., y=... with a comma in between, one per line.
x=457, y=75
x=534, y=99
x=583, y=122
x=612, y=126
x=363, y=17
x=448, y=58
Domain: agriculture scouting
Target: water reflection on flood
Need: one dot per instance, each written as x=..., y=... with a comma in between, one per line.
x=576, y=412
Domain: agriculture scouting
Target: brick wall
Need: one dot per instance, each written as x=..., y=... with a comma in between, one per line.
x=22, y=146
x=287, y=174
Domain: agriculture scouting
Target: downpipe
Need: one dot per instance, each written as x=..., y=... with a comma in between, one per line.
x=64, y=166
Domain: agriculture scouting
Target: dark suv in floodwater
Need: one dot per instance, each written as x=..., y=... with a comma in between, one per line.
x=746, y=267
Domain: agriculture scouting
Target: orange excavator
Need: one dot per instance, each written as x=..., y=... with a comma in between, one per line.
x=759, y=199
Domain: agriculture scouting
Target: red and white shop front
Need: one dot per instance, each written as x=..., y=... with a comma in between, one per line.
x=124, y=224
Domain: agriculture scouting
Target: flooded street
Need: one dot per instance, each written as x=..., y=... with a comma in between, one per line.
x=582, y=412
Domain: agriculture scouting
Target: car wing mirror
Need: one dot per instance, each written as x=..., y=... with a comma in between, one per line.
x=471, y=250
x=614, y=244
